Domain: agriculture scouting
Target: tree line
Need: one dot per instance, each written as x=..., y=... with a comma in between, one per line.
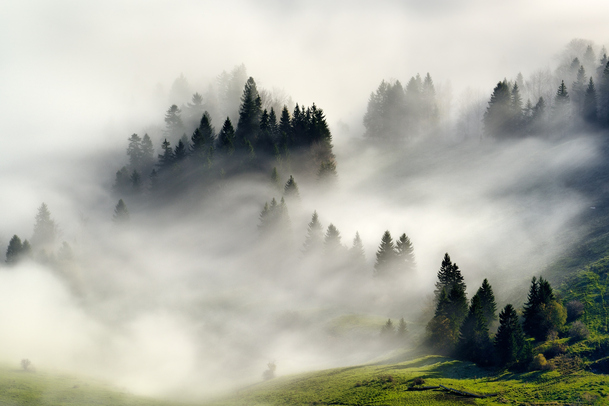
x=461, y=328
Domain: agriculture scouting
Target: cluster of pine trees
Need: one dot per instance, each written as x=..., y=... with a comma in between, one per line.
x=580, y=104
x=461, y=329
x=300, y=142
x=395, y=114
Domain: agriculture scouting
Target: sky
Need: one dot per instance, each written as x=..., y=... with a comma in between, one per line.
x=78, y=78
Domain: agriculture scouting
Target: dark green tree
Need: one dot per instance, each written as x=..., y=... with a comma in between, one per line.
x=121, y=214
x=385, y=257
x=441, y=332
x=173, y=122
x=511, y=346
x=405, y=255
x=498, y=113
x=449, y=275
x=226, y=138
x=180, y=152
x=589, y=109
x=14, y=250
x=249, y=114
x=487, y=302
x=542, y=313
x=474, y=342
x=168, y=157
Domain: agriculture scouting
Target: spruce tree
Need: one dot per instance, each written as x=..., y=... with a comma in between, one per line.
x=332, y=240
x=45, y=229
x=290, y=190
x=226, y=138
x=315, y=235
x=589, y=110
x=487, y=302
x=167, y=158
x=449, y=275
x=561, y=102
x=14, y=250
x=356, y=252
x=497, y=116
x=249, y=114
x=173, y=122
x=134, y=151
x=122, y=183
x=388, y=330
x=275, y=179
x=474, y=341
x=121, y=214
x=136, y=181
x=405, y=254
x=510, y=344
x=402, y=330
x=516, y=116
x=385, y=257
x=180, y=151
x=578, y=90
x=147, y=151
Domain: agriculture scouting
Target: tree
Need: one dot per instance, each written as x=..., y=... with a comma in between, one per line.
x=332, y=243
x=402, y=330
x=134, y=151
x=180, y=151
x=315, y=235
x=542, y=313
x=173, y=121
x=168, y=157
x=510, y=344
x=589, y=109
x=121, y=214
x=203, y=137
x=388, y=330
x=449, y=276
x=290, y=190
x=45, y=229
x=561, y=108
x=327, y=172
x=405, y=255
x=122, y=183
x=147, y=151
x=515, y=116
x=385, y=257
x=487, y=302
x=249, y=114
x=357, y=253
x=498, y=113
x=474, y=342
x=226, y=138
x=136, y=181
x=441, y=332
x=14, y=250
x=579, y=91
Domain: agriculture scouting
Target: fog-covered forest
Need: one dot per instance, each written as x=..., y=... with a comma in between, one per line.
x=189, y=224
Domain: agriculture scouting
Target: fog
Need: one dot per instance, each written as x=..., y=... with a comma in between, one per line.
x=188, y=301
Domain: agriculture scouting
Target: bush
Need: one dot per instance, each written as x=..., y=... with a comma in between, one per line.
x=539, y=363
x=27, y=366
x=555, y=349
x=270, y=372
x=575, y=309
x=579, y=331
x=418, y=381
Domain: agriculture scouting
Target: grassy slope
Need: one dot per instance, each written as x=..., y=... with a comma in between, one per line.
x=386, y=384
x=18, y=387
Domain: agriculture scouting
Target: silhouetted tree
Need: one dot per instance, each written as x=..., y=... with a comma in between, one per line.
x=589, y=109
x=147, y=157
x=405, y=254
x=474, y=342
x=356, y=253
x=385, y=257
x=487, y=302
x=173, y=121
x=498, y=113
x=542, y=313
x=122, y=182
x=45, y=229
x=510, y=344
x=315, y=235
x=14, y=250
x=226, y=138
x=168, y=157
x=449, y=275
x=290, y=190
x=121, y=214
x=249, y=114
x=134, y=151
x=332, y=240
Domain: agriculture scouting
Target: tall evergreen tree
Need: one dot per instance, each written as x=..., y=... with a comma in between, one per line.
x=516, y=116
x=603, y=97
x=542, y=313
x=249, y=114
x=561, y=107
x=357, y=253
x=487, y=302
x=510, y=344
x=497, y=116
x=122, y=184
x=168, y=157
x=121, y=214
x=226, y=138
x=589, y=110
x=474, y=342
x=134, y=151
x=332, y=240
x=449, y=275
x=45, y=229
x=147, y=150
x=405, y=254
x=136, y=181
x=578, y=91
x=315, y=235
x=180, y=151
x=385, y=257
x=14, y=250
x=290, y=190
x=174, y=126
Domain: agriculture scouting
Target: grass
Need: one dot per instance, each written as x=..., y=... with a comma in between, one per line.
x=18, y=387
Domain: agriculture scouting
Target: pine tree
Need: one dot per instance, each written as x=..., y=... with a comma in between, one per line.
x=516, y=115
x=14, y=250
x=405, y=254
x=561, y=103
x=510, y=344
x=180, y=151
x=121, y=214
x=589, y=110
x=603, y=97
x=402, y=331
x=385, y=257
x=327, y=172
x=122, y=183
x=441, y=332
x=147, y=151
x=388, y=330
x=136, y=181
x=449, y=275
x=497, y=116
x=134, y=151
x=168, y=157
x=542, y=313
x=249, y=114
x=275, y=179
x=285, y=127
x=579, y=91
x=357, y=253
x=315, y=235
x=173, y=122
x=45, y=229
x=474, y=342
x=487, y=302
x=332, y=243
x=290, y=190
x=226, y=138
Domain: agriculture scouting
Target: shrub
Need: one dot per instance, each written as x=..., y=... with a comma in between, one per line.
x=27, y=366
x=418, y=381
x=579, y=331
x=575, y=309
x=270, y=372
x=539, y=363
x=555, y=349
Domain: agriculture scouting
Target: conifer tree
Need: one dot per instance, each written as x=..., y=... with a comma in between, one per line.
x=122, y=183
x=14, y=250
x=441, y=332
x=147, y=151
x=327, y=172
x=168, y=157
x=180, y=151
x=388, y=330
x=315, y=235
x=542, y=313
x=226, y=138
x=275, y=179
x=45, y=229
x=173, y=121
x=356, y=252
x=134, y=151
x=603, y=97
x=589, y=110
x=516, y=116
x=510, y=344
x=121, y=214
x=136, y=181
x=332, y=240
x=405, y=254
x=561, y=103
x=385, y=257
x=497, y=116
x=487, y=302
x=474, y=342
x=402, y=330
x=290, y=190
x=285, y=127
x=249, y=114
x=449, y=275
x=578, y=90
